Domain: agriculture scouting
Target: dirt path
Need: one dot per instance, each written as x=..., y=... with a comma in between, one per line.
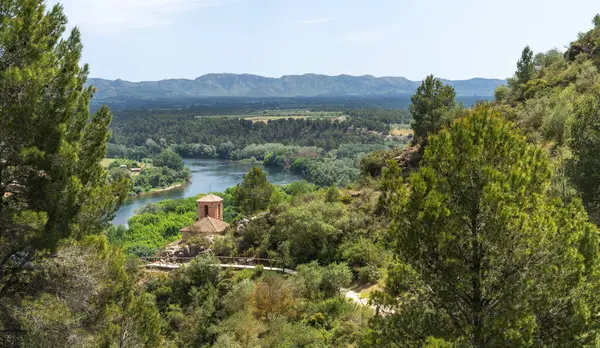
x=349, y=294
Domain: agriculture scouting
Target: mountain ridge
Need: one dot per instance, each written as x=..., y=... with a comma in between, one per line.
x=305, y=85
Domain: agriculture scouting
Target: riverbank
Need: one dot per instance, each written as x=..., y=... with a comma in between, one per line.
x=208, y=175
x=156, y=190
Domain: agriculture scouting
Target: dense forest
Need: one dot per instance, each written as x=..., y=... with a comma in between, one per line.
x=326, y=151
x=124, y=107
x=190, y=129
x=482, y=233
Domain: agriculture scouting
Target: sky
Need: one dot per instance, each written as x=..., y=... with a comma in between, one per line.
x=146, y=40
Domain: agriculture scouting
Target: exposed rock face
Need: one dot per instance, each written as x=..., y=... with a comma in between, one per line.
x=241, y=225
x=180, y=249
x=239, y=229
x=409, y=159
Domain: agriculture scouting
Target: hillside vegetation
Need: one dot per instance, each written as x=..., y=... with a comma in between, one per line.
x=482, y=233
x=554, y=98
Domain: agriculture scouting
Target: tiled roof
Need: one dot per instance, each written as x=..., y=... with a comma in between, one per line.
x=206, y=225
x=210, y=198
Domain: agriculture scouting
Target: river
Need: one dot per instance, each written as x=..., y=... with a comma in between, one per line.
x=208, y=175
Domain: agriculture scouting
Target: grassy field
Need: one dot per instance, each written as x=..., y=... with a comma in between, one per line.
x=400, y=129
x=106, y=161
x=266, y=115
x=267, y=118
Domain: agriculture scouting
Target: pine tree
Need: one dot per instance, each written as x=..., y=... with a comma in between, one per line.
x=52, y=185
x=486, y=258
x=431, y=108
x=525, y=66
x=585, y=145
x=254, y=192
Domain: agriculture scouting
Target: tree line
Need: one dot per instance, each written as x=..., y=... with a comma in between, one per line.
x=165, y=169
x=188, y=129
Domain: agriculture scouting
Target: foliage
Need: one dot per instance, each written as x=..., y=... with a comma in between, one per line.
x=151, y=178
x=585, y=145
x=431, y=107
x=313, y=229
x=551, y=98
x=273, y=296
x=387, y=116
x=525, y=71
x=88, y=301
x=323, y=282
x=52, y=185
x=374, y=163
x=333, y=194
x=229, y=133
x=148, y=231
x=254, y=192
x=485, y=257
x=168, y=158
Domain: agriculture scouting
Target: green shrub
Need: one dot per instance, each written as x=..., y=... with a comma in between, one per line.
x=258, y=272
x=369, y=274
x=346, y=199
x=333, y=194
x=140, y=250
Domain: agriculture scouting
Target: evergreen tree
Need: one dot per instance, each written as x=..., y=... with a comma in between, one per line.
x=52, y=185
x=431, y=108
x=525, y=72
x=333, y=194
x=254, y=192
x=168, y=158
x=525, y=66
x=585, y=145
x=486, y=259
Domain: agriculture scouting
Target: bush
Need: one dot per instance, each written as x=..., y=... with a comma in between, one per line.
x=335, y=276
x=346, y=199
x=224, y=246
x=258, y=272
x=140, y=250
x=369, y=274
x=333, y=194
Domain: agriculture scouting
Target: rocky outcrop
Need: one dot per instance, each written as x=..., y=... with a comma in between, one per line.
x=241, y=225
x=409, y=159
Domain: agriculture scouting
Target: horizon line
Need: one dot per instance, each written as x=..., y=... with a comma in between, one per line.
x=288, y=75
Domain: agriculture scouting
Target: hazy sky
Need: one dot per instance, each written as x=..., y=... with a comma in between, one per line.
x=156, y=39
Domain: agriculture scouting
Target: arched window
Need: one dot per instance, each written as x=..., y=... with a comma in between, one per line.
x=206, y=210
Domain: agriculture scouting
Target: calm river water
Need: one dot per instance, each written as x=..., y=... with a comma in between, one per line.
x=208, y=175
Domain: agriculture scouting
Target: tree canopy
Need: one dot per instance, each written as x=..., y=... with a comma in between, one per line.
x=254, y=192
x=431, y=107
x=52, y=185
x=485, y=257
x=553, y=99
x=585, y=168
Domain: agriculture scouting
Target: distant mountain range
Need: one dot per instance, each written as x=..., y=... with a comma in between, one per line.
x=307, y=85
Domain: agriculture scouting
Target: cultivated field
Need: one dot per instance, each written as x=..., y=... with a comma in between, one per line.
x=266, y=115
x=401, y=130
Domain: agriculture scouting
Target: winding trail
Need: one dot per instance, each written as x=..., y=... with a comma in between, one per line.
x=355, y=297
x=171, y=266
x=349, y=294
